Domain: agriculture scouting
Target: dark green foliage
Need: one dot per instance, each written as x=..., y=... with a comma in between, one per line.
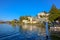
x=54, y=13
x=54, y=37
x=23, y=18
x=53, y=9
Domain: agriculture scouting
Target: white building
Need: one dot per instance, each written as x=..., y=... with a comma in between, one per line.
x=42, y=16
x=25, y=21
x=31, y=20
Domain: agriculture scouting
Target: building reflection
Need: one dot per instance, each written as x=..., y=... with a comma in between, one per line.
x=34, y=28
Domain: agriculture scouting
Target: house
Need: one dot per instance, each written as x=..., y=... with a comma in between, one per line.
x=25, y=21
x=43, y=14
x=42, y=17
x=31, y=20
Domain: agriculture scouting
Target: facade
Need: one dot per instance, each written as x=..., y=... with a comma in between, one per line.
x=25, y=21
x=31, y=20
x=42, y=17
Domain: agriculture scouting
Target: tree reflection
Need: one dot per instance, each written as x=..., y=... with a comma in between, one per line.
x=13, y=25
x=40, y=30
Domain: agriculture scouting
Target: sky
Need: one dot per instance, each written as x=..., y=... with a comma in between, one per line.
x=13, y=9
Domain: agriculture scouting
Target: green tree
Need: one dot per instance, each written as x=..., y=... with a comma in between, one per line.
x=13, y=23
x=23, y=18
x=54, y=13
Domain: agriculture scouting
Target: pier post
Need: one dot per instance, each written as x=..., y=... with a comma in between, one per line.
x=47, y=31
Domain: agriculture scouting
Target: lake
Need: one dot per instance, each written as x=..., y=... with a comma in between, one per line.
x=25, y=32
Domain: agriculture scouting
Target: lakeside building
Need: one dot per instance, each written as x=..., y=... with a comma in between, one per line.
x=41, y=17
x=31, y=20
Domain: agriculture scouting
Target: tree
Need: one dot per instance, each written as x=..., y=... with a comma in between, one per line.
x=54, y=13
x=23, y=18
x=53, y=9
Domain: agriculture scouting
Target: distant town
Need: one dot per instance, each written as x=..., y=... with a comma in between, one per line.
x=52, y=16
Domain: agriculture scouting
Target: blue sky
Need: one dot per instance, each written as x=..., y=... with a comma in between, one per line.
x=13, y=9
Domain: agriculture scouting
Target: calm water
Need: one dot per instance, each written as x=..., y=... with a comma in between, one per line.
x=26, y=32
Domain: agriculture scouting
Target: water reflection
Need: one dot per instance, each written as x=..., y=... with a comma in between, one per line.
x=32, y=29
x=26, y=31
x=29, y=29
x=13, y=25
